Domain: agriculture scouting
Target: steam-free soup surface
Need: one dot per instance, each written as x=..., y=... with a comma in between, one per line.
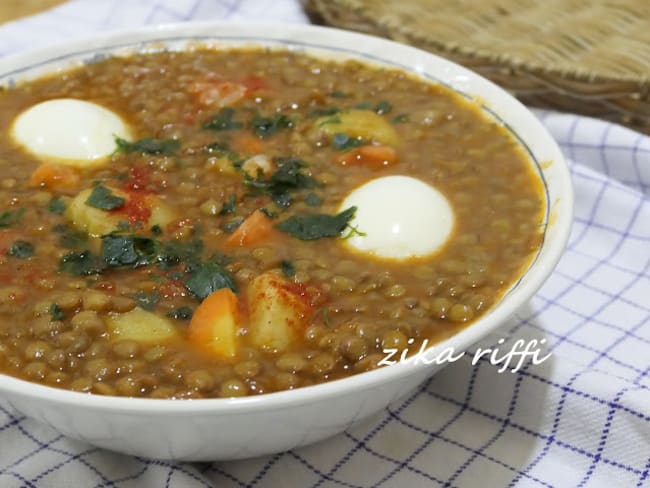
x=210, y=255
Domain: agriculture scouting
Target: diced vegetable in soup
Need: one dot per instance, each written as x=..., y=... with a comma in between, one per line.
x=264, y=221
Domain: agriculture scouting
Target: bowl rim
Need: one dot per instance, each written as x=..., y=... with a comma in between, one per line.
x=537, y=272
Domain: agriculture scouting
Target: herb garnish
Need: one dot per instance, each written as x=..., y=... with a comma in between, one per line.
x=316, y=226
x=232, y=225
x=56, y=206
x=148, y=145
x=323, y=111
x=313, y=200
x=288, y=177
x=208, y=278
x=383, y=107
x=145, y=300
x=83, y=263
x=230, y=205
x=181, y=313
x=129, y=250
x=9, y=218
x=103, y=198
x=223, y=121
x=70, y=238
x=21, y=250
x=267, y=126
x=288, y=268
x=344, y=142
x=55, y=312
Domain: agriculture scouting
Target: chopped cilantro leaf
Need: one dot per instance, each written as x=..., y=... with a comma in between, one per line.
x=287, y=178
x=287, y=268
x=56, y=206
x=230, y=205
x=70, y=238
x=316, y=226
x=223, y=121
x=208, y=278
x=103, y=198
x=145, y=300
x=398, y=119
x=323, y=111
x=181, y=313
x=344, y=142
x=334, y=119
x=313, y=200
x=232, y=225
x=83, y=263
x=268, y=213
x=156, y=230
x=55, y=312
x=267, y=126
x=9, y=218
x=21, y=250
x=383, y=107
x=119, y=250
x=148, y=145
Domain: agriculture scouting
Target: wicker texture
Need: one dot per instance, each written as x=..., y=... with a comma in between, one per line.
x=585, y=56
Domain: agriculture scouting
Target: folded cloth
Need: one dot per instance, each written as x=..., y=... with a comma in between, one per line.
x=581, y=418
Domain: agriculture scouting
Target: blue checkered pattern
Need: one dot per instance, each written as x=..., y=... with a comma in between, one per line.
x=582, y=418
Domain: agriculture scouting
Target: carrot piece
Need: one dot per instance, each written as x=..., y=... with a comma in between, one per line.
x=213, y=327
x=244, y=142
x=54, y=176
x=370, y=155
x=253, y=230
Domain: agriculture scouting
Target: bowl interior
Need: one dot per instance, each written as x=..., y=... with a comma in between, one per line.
x=332, y=44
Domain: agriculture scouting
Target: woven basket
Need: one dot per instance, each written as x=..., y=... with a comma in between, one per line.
x=585, y=56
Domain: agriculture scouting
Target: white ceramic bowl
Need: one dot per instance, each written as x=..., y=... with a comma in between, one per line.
x=219, y=429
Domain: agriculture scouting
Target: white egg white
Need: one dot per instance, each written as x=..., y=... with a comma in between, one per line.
x=72, y=132
x=399, y=217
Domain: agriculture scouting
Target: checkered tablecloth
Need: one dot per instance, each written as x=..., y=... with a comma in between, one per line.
x=582, y=418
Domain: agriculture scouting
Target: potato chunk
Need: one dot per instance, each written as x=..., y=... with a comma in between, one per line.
x=365, y=124
x=98, y=222
x=279, y=311
x=141, y=326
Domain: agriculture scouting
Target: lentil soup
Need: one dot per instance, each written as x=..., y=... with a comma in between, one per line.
x=209, y=255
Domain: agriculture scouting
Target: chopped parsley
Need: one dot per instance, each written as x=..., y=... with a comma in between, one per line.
x=232, y=225
x=56, y=206
x=398, y=119
x=55, y=312
x=145, y=300
x=230, y=205
x=208, y=278
x=156, y=230
x=383, y=107
x=103, y=198
x=313, y=200
x=316, y=226
x=148, y=145
x=70, y=238
x=323, y=111
x=287, y=178
x=21, y=250
x=82, y=263
x=223, y=121
x=267, y=126
x=9, y=218
x=129, y=250
x=181, y=313
x=288, y=268
x=344, y=142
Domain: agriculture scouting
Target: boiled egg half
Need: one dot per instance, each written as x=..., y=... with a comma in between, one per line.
x=398, y=217
x=73, y=132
